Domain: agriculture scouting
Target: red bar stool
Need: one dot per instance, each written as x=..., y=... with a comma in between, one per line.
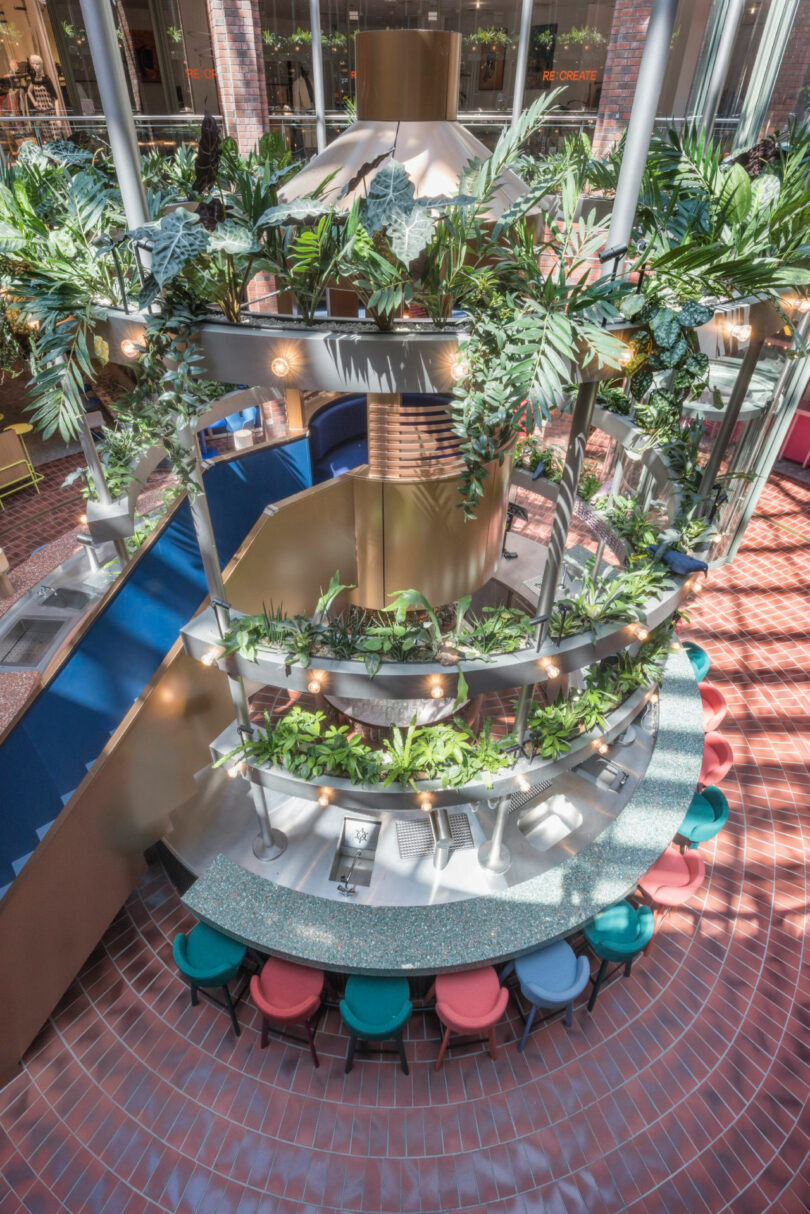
x=718, y=759
x=286, y=993
x=468, y=1003
x=672, y=881
x=715, y=708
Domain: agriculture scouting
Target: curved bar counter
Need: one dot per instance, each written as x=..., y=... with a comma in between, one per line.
x=502, y=921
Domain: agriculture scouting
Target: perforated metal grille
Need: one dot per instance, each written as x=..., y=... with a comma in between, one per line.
x=416, y=838
x=519, y=799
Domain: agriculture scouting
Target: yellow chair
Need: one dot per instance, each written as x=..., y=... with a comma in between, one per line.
x=16, y=470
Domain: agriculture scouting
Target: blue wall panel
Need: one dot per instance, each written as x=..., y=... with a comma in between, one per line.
x=46, y=756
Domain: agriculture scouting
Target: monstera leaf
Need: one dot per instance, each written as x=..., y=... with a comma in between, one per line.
x=181, y=236
x=293, y=212
x=391, y=193
x=233, y=238
x=409, y=233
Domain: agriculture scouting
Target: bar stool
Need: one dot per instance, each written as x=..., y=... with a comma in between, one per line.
x=705, y=817
x=715, y=708
x=468, y=1003
x=718, y=759
x=286, y=993
x=207, y=958
x=672, y=880
x=619, y=933
x=376, y=1009
x=701, y=662
x=551, y=977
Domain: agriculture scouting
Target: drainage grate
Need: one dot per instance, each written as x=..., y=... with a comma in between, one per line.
x=416, y=838
x=519, y=799
x=28, y=640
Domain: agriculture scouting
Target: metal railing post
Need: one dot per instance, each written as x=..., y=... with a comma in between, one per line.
x=522, y=60
x=317, y=74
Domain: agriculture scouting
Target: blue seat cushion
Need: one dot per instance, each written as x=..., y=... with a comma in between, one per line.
x=554, y=968
x=341, y=459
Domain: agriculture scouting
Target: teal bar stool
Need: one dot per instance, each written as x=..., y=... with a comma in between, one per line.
x=207, y=958
x=705, y=817
x=376, y=1009
x=619, y=933
x=701, y=662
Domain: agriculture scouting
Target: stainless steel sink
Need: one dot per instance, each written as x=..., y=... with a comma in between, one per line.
x=550, y=821
x=604, y=773
x=65, y=596
x=28, y=639
x=354, y=859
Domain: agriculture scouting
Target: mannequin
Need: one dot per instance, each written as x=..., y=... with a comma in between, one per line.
x=302, y=103
x=41, y=96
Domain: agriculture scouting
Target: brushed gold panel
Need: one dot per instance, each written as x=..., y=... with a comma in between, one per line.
x=368, y=536
x=407, y=75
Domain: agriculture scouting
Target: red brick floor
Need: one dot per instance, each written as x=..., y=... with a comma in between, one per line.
x=31, y=519
x=685, y=1092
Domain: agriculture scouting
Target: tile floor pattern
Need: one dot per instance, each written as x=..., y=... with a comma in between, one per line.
x=685, y=1092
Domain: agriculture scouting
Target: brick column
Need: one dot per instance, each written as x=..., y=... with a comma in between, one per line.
x=793, y=72
x=627, y=34
x=236, y=40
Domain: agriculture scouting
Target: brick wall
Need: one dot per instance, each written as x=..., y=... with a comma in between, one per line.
x=793, y=72
x=236, y=39
x=629, y=29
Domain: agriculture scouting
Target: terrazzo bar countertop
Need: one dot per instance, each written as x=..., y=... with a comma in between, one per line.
x=418, y=939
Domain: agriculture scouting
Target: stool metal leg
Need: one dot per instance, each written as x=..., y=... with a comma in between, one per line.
x=311, y=1039
x=442, y=1049
x=232, y=1011
x=596, y=985
x=350, y=1053
x=265, y=1033
x=402, y=1057
x=628, y=966
x=194, y=996
x=526, y=1028
x=569, y=1014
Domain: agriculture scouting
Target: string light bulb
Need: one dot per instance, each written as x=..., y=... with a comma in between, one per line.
x=82, y=518
x=130, y=348
x=626, y=357
x=602, y=747
x=551, y=670
x=314, y=686
x=32, y=323
x=459, y=368
x=280, y=366
x=323, y=798
x=642, y=633
x=523, y=784
x=804, y=306
x=741, y=333
x=697, y=587
x=236, y=769
x=210, y=658
x=436, y=690
x=425, y=803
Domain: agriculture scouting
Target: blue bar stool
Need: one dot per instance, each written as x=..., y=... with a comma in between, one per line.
x=551, y=977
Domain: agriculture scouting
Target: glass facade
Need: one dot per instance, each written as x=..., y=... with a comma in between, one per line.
x=170, y=62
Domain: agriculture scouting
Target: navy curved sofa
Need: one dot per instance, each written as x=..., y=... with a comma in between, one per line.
x=338, y=435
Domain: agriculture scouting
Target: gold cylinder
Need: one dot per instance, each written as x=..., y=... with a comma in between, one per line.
x=407, y=75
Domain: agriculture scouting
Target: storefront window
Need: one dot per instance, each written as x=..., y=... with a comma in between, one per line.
x=31, y=80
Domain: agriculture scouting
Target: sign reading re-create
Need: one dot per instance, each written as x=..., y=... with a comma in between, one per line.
x=200, y=73
x=571, y=75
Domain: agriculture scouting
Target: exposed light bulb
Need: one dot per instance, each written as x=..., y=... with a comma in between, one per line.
x=697, y=588
x=314, y=686
x=551, y=670
x=627, y=355
x=741, y=333
x=32, y=323
x=130, y=349
x=236, y=770
x=437, y=691
x=82, y=518
x=642, y=634
x=425, y=803
x=323, y=798
x=523, y=784
x=804, y=305
x=654, y=698
x=459, y=368
x=210, y=658
x=280, y=366
x=602, y=747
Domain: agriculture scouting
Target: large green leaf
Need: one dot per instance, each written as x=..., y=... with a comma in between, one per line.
x=734, y=199
x=410, y=232
x=665, y=327
x=391, y=193
x=11, y=240
x=181, y=237
x=693, y=314
x=297, y=211
x=233, y=238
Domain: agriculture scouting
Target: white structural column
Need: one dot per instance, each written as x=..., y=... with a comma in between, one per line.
x=522, y=60
x=730, y=415
x=112, y=87
x=723, y=35
x=642, y=119
x=317, y=74
x=774, y=40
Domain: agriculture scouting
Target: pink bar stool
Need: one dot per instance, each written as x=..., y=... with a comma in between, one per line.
x=286, y=993
x=718, y=759
x=715, y=708
x=468, y=1003
x=672, y=881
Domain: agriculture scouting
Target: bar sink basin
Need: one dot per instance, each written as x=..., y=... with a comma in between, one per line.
x=604, y=774
x=28, y=639
x=64, y=596
x=354, y=859
x=549, y=822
